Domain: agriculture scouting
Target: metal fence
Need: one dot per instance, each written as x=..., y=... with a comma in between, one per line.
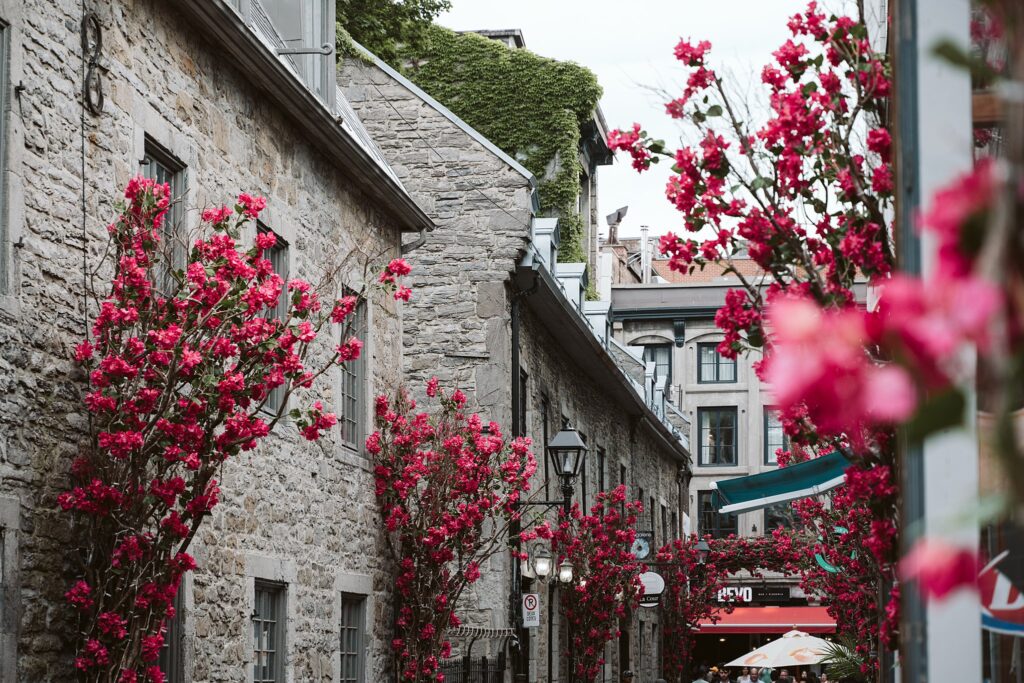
x=474, y=670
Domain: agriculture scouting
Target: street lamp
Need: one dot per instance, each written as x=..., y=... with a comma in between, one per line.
x=567, y=451
x=565, y=572
x=703, y=549
x=541, y=562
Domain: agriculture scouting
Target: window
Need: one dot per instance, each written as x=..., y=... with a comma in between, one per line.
x=665, y=531
x=170, y=661
x=779, y=515
x=675, y=524
x=305, y=25
x=711, y=521
x=661, y=356
x=654, y=525
x=601, y=484
x=717, y=436
x=774, y=436
x=545, y=411
x=713, y=367
x=353, y=649
x=10, y=586
x=268, y=622
x=278, y=257
x=585, y=502
x=622, y=475
x=353, y=380
x=163, y=167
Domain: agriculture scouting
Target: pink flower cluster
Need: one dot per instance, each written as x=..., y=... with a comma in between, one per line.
x=632, y=142
x=181, y=377
x=607, y=583
x=445, y=483
x=820, y=360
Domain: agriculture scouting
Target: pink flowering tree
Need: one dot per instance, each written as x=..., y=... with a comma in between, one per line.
x=179, y=382
x=691, y=588
x=448, y=487
x=606, y=585
x=806, y=192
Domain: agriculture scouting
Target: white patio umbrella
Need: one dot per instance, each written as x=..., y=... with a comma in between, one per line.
x=795, y=648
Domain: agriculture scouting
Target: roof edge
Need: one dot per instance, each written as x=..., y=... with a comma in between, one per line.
x=658, y=429
x=227, y=31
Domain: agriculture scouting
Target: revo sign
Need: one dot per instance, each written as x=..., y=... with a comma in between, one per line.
x=735, y=594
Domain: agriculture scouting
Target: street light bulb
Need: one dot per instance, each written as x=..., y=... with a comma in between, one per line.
x=565, y=572
x=542, y=565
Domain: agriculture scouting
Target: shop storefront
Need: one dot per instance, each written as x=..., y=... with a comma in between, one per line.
x=761, y=613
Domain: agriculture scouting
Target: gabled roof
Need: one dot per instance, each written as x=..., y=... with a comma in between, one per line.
x=450, y=115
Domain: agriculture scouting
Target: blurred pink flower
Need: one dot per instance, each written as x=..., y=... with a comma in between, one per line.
x=940, y=568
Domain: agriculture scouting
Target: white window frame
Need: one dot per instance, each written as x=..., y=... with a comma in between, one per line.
x=359, y=585
x=271, y=570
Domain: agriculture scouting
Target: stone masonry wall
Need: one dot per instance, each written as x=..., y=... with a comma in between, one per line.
x=557, y=381
x=457, y=327
x=291, y=511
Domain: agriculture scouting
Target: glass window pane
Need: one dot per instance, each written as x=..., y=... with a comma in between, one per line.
x=353, y=379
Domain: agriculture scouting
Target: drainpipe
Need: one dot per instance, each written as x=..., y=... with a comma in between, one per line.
x=415, y=244
x=520, y=662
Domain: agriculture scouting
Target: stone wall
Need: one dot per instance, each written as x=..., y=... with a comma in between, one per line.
x=457, y=327
x=630, y=448
x=294, y=511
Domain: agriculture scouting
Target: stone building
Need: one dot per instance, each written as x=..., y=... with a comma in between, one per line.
x=497, y=315
x=197, y=93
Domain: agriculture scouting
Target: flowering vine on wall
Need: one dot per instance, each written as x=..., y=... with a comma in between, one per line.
x=448, y=486
x=180, y=382
x=606, y=575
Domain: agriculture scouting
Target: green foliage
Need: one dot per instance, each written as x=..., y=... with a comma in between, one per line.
x=383, y=25
x=843, y=661
x=530, y=106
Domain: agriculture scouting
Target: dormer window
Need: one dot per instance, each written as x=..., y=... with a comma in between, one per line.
x=302, y=32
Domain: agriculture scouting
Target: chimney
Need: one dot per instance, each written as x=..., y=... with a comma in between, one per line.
x=645, y=255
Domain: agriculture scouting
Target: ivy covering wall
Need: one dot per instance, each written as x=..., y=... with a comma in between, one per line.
x=530, y=106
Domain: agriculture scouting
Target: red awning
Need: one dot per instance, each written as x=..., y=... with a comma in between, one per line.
x=771, y=620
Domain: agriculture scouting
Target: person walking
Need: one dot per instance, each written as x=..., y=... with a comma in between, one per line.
x=744, y=675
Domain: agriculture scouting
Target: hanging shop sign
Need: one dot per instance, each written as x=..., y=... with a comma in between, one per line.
x=654, y=586
x=1002, y=602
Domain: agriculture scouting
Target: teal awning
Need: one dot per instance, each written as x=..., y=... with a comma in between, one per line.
x=782, y=485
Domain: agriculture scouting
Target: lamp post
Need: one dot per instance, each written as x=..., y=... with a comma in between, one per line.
x=568, y=452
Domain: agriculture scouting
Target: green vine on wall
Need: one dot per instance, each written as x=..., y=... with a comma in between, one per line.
x=531, y=107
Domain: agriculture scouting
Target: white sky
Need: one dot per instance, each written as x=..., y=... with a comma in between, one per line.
x=629, y=46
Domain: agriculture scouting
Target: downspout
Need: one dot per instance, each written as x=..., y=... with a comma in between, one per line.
x=520, y=666
x=410, y=247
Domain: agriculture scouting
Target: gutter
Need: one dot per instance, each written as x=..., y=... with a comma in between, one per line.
x=228, y=33
x=540, y=277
